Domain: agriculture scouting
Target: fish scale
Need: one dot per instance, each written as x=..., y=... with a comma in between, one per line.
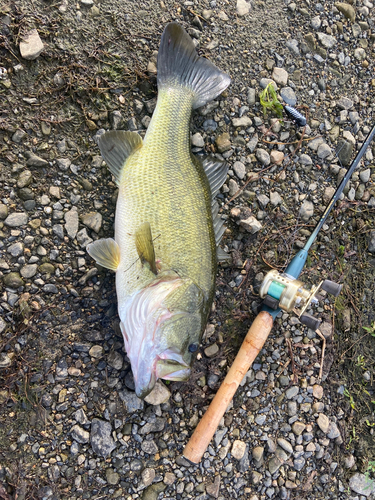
x=160, y=185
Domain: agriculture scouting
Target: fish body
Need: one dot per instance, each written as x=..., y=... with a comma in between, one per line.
x=166, y=226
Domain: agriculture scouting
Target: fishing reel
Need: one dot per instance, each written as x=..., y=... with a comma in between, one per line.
x=282, y=291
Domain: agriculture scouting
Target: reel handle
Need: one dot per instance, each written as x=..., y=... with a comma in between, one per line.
x=252, y=344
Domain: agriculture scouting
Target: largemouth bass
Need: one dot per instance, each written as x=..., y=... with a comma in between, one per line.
x=167, y=226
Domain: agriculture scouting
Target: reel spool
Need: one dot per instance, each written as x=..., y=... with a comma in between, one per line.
x=282, y=291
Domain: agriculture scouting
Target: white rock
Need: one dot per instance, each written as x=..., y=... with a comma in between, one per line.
x=252, y=225
x=280, y=76
x=238, y=449
x=32, y=46
x=242, y=7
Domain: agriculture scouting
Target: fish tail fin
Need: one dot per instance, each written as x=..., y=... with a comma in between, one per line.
x=179, y=65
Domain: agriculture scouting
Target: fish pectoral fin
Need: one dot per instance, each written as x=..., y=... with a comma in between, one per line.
x=116, y=146
x=105, y=252
x=145, y=246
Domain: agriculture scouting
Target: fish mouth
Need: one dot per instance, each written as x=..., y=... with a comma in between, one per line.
x=169, y=365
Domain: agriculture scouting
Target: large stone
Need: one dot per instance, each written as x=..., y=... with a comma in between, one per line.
x=16, y=219
x=251, y=224
x=31, y=46
x=160, y=394
x=93, y=221
x=13, y=280
x=131, y=401
x=347, y=10
x=280, y=76
x=242, y=8
x=71, y=222
x=101, y=438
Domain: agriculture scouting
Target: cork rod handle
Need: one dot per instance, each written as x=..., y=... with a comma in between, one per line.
x=253, y=343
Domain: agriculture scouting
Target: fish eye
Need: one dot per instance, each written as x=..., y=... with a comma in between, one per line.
x=193, y=347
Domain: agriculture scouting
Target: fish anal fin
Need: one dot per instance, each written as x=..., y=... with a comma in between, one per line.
x=105, y=252
x=116, y=146
x=145, y=246
x=216, y=171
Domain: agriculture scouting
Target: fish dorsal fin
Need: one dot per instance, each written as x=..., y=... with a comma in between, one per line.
x=116, y=146
x=180, y=66
x=145, y=245
x=216, y=171
x=218, y=222
x=105, y=252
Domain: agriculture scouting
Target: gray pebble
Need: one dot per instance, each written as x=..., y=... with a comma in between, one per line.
x=251, y=145
x=345, y=103
x=316, y=22
x=36, y=161
x=263, y=156
x=285, y=445
x=289, y=96
x=149, y=447
x=197, y=140
x=299, y=463
x=365, y=175
x=275, y=198
x=71, y=222
x=251, y=97
x=263, y=200
x=131, y=401
x=371, y=241
x=83, y=238
x=327, y=41
x=16, y=219
x=16, y=249
x=239, y=169
x=292, y=392
x=101, y=438
x=233, y=187
x=209, y=126
x=29, y=270
x=63, y=164
x=115, y=119
x=323, y=151
x=307, y=210
x=79, y=434
x=49, y=288
x=362, y=484
x=292, y=45
x=3, y=211
x=93, y=221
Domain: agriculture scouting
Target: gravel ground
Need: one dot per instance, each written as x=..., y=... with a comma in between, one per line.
x=72, y=426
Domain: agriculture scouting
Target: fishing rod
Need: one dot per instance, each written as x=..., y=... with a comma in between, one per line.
x=280, y=292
